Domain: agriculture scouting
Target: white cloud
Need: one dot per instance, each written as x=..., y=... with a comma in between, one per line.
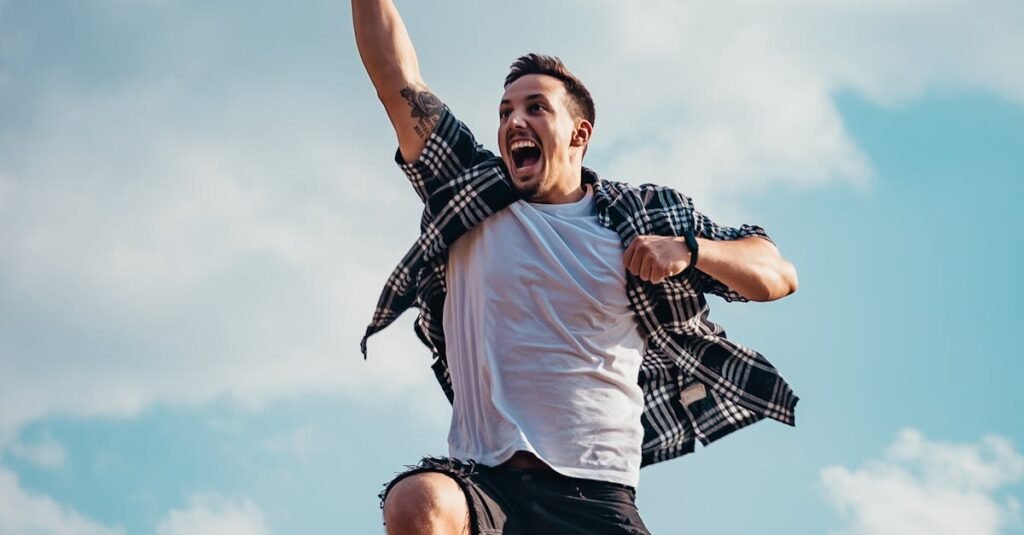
x=181, y=265
x=924, y=487
x=45, y=452
x=25, y=513
x=209, y=514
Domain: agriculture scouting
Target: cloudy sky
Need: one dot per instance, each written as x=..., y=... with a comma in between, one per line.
x=198, y=207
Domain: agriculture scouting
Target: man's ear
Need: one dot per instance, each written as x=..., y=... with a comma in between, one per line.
x=581, y=135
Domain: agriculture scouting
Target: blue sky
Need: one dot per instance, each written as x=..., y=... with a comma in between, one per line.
x=198, y=207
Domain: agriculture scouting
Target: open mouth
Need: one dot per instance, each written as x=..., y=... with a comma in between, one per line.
x=525, y=154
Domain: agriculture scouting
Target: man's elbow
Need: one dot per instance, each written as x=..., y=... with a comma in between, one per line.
x=777, y=282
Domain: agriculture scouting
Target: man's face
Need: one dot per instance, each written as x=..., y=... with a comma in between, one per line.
x=535, y=134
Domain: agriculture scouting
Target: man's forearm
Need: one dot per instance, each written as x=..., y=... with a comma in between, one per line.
x=384, y=45
x=750, y=266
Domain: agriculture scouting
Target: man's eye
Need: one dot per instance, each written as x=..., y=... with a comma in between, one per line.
x=502, y=114
x=536, y=107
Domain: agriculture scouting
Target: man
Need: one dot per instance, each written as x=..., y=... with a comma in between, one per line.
x=566, y=312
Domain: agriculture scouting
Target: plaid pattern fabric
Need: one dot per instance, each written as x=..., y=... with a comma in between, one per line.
x=461, y=184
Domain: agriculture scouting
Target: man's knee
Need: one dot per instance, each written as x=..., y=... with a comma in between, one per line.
x=423, y=501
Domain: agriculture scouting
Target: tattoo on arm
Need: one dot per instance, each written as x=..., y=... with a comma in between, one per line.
x=426, y=109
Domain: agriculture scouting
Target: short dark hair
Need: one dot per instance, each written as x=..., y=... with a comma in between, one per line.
x=581, y=104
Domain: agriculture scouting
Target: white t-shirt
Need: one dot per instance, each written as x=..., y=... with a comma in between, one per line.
x=543, y=349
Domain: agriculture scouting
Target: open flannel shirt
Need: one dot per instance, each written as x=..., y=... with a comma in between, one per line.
x=696, y=382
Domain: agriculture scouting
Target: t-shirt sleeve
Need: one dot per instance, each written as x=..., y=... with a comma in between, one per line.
x=705, y=228
x=450, y=150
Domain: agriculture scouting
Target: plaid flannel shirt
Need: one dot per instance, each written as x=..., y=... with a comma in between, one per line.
x=697, y=383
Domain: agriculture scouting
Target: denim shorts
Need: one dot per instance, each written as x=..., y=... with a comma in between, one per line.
x=512, y=501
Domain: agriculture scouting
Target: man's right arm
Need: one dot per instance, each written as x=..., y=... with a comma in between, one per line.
x=390, y=60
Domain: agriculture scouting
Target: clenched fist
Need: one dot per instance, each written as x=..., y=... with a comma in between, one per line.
x=656, y=258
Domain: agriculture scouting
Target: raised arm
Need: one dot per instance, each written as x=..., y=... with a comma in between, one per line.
x=390, y=60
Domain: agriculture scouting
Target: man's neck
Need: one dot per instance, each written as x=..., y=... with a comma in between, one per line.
x=567, y=189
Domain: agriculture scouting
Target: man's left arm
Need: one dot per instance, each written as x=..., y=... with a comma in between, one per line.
x=752, y=266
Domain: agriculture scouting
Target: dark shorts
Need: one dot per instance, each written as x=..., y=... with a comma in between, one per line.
x=510, y=501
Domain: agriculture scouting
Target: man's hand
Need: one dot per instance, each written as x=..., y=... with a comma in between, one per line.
x=656, y=258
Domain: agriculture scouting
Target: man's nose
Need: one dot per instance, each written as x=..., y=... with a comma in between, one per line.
x=516, y=120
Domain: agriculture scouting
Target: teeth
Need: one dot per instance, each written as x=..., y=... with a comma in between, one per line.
x=522, y=144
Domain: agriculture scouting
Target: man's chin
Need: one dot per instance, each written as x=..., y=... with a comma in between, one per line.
x=528, y=193
x=526, y=187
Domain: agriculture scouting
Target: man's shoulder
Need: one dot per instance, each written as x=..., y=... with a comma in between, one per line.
x=648, y=194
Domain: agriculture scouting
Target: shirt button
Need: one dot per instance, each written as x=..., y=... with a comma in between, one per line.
x=526, y=478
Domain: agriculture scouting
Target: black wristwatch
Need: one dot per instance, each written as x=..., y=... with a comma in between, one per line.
x=691, y=242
